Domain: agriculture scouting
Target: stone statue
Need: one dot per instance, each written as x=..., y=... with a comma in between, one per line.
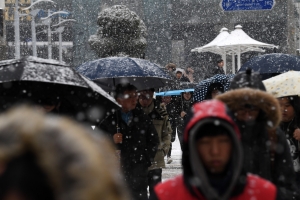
x=121, y=33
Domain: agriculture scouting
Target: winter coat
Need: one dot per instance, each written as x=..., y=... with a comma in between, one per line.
x=183, y=105
x=177, y=190
x=217, y=70
x=288, y=128
x=76, y=160
x=196, y=182
x=162, y=125
x=140, y=139
x=262, y=139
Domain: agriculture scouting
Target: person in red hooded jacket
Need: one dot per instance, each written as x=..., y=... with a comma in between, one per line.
x=212, y=161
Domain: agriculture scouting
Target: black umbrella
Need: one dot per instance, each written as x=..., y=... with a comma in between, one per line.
x=274, y=63
x=108, y=72
x=41, y=81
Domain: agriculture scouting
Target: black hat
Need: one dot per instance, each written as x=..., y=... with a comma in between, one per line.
x=249, y=79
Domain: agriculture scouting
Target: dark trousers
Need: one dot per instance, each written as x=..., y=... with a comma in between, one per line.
x=298, y=180
x=136, y=179
x=180, y=136
x=170, y=150
x=154, y=177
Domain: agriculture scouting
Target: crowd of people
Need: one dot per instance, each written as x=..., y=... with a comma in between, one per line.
x=237, y=144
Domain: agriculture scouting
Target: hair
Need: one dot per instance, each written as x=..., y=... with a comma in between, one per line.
x=211, y=88
x=295, y=102
x=219, y=60
x=121, y=88
x=211, y=130
x=23, y=175
x=146, y=90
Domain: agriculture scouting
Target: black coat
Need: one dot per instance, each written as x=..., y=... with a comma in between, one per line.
x=271, y=163
x=140, y=139
x=217, y=70
x=173, y=111
x=270, y=158
x=184, y=105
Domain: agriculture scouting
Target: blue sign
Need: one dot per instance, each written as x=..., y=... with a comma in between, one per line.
x=235, y=5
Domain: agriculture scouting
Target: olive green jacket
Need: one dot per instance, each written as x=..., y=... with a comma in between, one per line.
x=160, y=120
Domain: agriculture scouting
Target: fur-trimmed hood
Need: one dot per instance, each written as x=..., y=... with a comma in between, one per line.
x=266, y=102
x=78, y=163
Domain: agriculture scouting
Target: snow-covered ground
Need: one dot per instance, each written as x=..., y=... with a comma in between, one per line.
x=173, y=169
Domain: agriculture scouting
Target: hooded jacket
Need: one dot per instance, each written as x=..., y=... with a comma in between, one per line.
x=77, y=162
x=196, y=183
x=264, y=145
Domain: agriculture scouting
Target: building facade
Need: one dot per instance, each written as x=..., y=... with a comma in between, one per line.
x=177, y=26
x=174, y=28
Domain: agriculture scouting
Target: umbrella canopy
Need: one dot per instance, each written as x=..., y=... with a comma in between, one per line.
x=286, y=84
x=108, y=72
x=39, y=80
x=203, y=87
x=273, y=63
x=239, y=42
x=213, y=46
x=173, y=92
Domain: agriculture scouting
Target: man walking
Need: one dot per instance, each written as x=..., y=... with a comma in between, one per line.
x=134, y=134
x=162, y=125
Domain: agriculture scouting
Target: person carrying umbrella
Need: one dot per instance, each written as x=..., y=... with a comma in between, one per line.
x=135, y=135
x=285, y=87
x=54, y=86
x=257, y=114
x=160, y=119
x=290, y=125
x=212, y=161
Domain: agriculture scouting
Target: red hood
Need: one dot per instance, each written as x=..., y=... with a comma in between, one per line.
x=209, y=109
x=212, y=111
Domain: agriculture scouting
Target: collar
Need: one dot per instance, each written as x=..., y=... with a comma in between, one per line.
x=149, y=109
x=126, y=117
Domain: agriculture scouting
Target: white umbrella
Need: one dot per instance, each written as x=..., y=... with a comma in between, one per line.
x=286, y=84
x=212, y=46
x=239, y=42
